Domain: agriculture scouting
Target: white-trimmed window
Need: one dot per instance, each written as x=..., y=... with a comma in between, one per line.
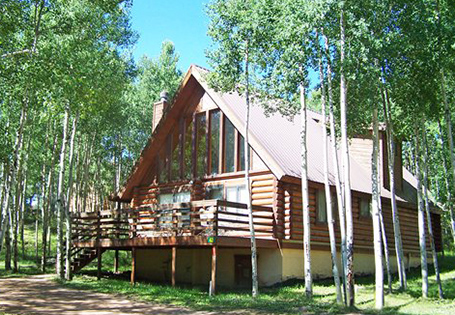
x=321, y=206
x=365, y=208
x=237, y=194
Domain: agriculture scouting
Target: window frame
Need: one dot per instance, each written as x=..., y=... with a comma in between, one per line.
x=362, y=215
x=320, y=192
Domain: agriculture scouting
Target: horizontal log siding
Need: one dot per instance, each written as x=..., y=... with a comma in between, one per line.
x=363, y=228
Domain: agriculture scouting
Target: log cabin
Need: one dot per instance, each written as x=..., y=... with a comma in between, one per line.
x=182, y=211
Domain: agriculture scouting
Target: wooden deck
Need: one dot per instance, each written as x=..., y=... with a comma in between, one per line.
x=197, y=223
x=204, y=223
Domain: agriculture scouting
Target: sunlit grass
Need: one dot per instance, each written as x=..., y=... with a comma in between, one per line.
x=290, y=299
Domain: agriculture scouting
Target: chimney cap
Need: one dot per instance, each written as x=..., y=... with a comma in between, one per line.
x=164, y=96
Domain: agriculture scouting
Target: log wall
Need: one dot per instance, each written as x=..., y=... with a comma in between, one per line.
x=363, y=227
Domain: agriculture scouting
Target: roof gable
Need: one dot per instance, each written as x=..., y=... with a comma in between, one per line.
x=275, y=138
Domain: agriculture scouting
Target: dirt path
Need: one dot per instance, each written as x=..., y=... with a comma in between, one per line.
x=41, y=295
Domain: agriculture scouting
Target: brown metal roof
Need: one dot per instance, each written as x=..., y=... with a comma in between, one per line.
x=279, y=136
x=276, y=139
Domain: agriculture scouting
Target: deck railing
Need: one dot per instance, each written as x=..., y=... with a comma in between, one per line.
x=196, y=218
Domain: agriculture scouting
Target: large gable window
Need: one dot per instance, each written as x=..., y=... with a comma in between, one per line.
x=242, y=153
x=201, y=160
x=229, y=146
x=187, y=148
x=215, y=141
x=175, y=161
x=204, y=143
x=163, y=164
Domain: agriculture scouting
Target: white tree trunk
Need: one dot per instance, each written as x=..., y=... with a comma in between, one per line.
x=421, y=217
x=347, y=177
x=60, y=199
x=395, y=216
x=449, y=203
x=254, y=264
x=47, y=192
x=16, y=216
x=427, y=210
x=386, y=247
x=305, y=198
x=14, y=168
x=376, y=199
x=336, y=168
x=328, y=196
x=450, y=140
x=22, y=214
x=68, y=274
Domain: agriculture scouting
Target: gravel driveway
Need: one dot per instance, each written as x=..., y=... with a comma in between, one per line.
x=41, y=295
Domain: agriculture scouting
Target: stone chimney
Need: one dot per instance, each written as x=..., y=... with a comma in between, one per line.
x=159, y=108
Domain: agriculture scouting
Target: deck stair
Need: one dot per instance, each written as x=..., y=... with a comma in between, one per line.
x=82, y=257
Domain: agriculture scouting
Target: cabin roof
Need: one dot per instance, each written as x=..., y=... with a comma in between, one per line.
x=276, y=139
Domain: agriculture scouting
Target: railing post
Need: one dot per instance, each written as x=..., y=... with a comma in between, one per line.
x=117, y=226
x=98, y=226
x=175, y=220
x=134, y=214
x=215, y=223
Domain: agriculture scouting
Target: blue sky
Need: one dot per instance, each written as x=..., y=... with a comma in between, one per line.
x=183, y=22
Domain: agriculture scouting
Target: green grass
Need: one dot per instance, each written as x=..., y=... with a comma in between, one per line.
x=27, y=263
x=290, y=298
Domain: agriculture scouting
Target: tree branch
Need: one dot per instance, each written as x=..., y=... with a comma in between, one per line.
x=38, y=16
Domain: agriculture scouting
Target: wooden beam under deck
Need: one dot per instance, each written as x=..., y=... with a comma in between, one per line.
x=174, y=257
x=179, y=241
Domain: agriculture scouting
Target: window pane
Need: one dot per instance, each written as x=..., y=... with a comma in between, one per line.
x=164, y=199
x=237, y=194
x=365, y=208
x=175, y=163
x=214, y=141
x=231, y=194
x=334, y=206
x=215, y=192
x=162, y=165
x=242, y=153
x=242, y=194
x=182, y=197
x=187, y=157
x=201, y=145
x=229, y=146
x=322, y=210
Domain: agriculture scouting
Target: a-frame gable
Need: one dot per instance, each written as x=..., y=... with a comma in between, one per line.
x=239, y=124
x=191, y=91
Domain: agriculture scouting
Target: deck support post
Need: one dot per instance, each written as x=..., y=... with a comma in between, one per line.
x=133, y=265
x=213, y=276
x=116, y=261
x=98, y=257
x=98, y=245
x=174, y=254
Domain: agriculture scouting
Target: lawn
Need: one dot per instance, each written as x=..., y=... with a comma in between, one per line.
x=288, y=298
x=27, y=263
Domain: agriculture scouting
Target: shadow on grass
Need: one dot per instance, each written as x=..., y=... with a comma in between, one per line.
x=446, y=264
x=283, y=299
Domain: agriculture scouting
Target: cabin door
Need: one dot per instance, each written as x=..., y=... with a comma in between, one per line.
x=243, y=270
